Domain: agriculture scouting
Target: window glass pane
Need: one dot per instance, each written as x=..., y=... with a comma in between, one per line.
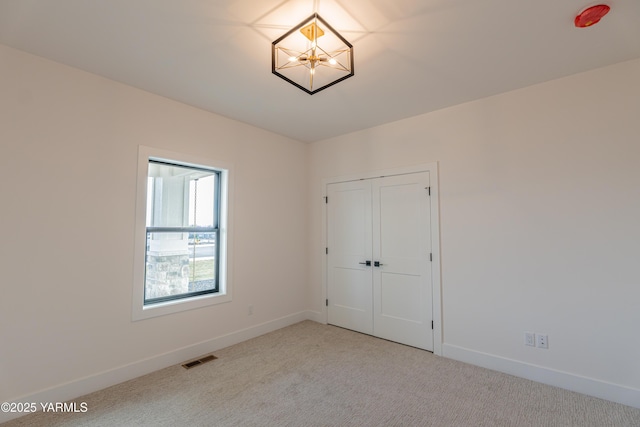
x=180, y=196
x=180, y=264
x=201, y=201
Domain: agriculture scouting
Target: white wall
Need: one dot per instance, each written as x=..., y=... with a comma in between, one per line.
x=68, y=158
x=540, y=224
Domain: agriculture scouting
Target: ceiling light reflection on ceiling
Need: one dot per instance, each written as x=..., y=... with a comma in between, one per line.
x=312, y=56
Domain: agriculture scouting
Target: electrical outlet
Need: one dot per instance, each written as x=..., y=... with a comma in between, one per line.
x=250, y=310
x=542, y=341
x=530, y=339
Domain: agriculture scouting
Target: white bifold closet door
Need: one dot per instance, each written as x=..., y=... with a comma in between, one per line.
x=379, y=258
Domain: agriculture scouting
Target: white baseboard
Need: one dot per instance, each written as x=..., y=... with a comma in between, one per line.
x=316, y=316
x=589, y=386
x=80, y=387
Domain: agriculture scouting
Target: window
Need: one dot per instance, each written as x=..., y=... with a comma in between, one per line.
x=182, y=249
x=182, y=232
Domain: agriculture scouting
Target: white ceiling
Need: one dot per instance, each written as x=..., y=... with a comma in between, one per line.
x=411, y=56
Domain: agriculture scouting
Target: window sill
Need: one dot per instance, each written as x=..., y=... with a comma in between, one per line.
x=170, y=307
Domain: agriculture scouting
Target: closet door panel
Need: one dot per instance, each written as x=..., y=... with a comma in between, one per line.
x=349, y=287
x=402, y=309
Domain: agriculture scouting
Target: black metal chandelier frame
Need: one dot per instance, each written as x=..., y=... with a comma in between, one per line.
x=314, y=57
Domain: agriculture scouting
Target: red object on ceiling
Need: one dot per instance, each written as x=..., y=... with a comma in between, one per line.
x=591, y=15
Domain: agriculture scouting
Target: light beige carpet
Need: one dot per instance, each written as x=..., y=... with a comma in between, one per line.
x=310, y=374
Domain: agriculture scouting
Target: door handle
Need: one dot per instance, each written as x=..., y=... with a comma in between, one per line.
x=367, y=263
x=377, y=264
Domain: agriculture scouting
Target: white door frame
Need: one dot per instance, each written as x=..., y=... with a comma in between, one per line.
x=432, y=168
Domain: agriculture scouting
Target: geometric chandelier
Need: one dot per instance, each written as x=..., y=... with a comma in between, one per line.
x=312, y=56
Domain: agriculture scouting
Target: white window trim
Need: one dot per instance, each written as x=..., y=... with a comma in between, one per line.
x=139, y=311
